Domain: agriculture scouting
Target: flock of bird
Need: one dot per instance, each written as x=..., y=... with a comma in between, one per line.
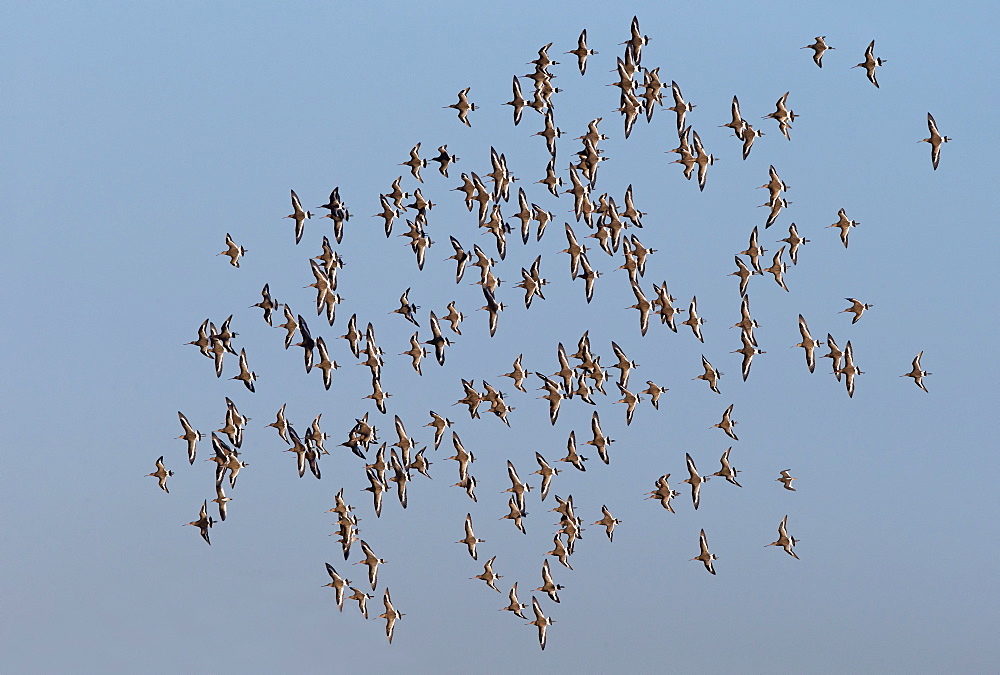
x=581, y=375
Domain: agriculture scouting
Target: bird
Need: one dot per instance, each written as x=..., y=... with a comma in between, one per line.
x=518, y=488
x=917, y=373
x=681, y=107
x=600, y=441
x=809, y=344
x=749, y=136
x=786, y=480
x=420, y=463
x=754, y=251
x=515, y=606
x=204, y=342
x=406, y=308
x=224, y=336
x=267, y=304
x=460, y=257
x=870, y=63
x=744, y=273
x=307, y=343
x=776, y=204
x=391, y=615
x=191, y=436
x=549, y=586
x=546, y=472
x=693, y=320
x=440, y=424
x=543, y=622
x=609, y=522
x=299, y=215
x=630, y=400
x=554, y=396
x=338, y=214
x=161, y=474
x=372, y=561
x=778, y=268
x=222, y=500
x=849, y=370
x=415, y=163
x=664, y=492
x=737, y=124
x=377, y=487
x=494, y=308
x=516, y=514
x=727, y=423
x=560, y=551
x=362, y=599
x=550, y=133
x=655, y=391
x=338, y=584
x=783, y=115
x=857, y=308
x=438, y=341
x=517, y=102
x=463, y=106
x=784, y=541
x=935, y=140
x=695, y=480
x=235, y=252
x=711, y=375
x=388, y=213
x=400, y=477
x=571, y=455
x=665, y=302
x=581, y=52
x=378, y=395
x=518, y=374
x=325, y=364
x=280, y=423
x=245, y=376
x=702, y=159
x=204, y=522
x=706, y=557
x=643, y=305
x=748, y=350
x=819, y=48
x=727, y=471
x=794, y=241
x=835, y=354
x=470, y=539
x=489, y=576
x=291, y=326
x=469, y=485
x=416, y=353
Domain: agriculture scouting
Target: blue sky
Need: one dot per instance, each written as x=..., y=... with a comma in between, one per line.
x=136, y=136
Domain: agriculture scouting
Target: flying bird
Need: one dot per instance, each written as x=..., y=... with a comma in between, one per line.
x=870, y=63
x=706, y=557
x=299, y=215
x=935, y=140
x=917, y=373
x=463, y=107
x=819, y=48
x=161, y=474
x=784, y=541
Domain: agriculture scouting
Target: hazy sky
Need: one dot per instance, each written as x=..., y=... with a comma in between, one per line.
x=135, y=136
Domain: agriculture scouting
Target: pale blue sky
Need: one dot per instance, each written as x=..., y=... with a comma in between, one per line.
x=135, y=136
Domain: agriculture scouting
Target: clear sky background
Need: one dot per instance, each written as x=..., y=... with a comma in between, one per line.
x=135, y=136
